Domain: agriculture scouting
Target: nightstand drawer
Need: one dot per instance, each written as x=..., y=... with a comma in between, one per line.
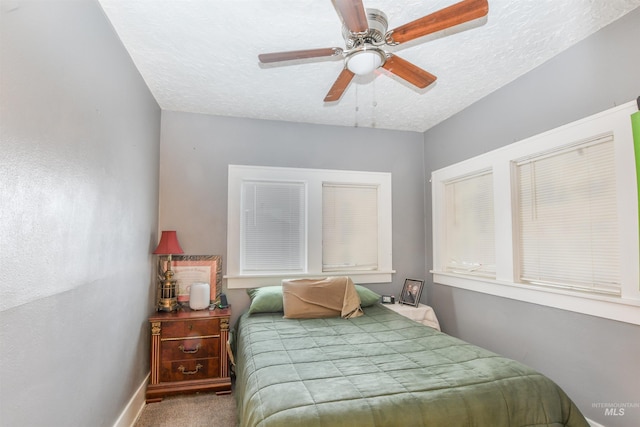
x=190, y=328
x=187, y=370
x=196, y=348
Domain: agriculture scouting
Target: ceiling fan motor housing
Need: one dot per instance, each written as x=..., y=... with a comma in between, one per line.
x=375, y=35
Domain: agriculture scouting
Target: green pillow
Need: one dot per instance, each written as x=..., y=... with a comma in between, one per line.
x=268, y=299
x=367, y=296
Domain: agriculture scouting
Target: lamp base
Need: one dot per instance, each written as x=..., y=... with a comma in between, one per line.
x=167, y=300
x=167, y=304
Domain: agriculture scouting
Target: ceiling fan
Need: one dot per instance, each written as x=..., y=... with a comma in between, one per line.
x=365, y=33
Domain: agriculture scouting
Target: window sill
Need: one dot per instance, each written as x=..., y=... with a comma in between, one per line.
x=615, y=308
x=256, y=281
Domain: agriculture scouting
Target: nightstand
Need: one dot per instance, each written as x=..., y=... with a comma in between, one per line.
x=189, y=352
x=422, y=313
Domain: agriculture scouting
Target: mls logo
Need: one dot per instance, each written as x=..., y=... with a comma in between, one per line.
x=614, y=412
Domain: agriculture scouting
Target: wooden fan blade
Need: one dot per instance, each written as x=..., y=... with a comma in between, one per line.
x=453, y=15
x=352, y=14
x=298, y=54
x=339, y=86
x=409, y=72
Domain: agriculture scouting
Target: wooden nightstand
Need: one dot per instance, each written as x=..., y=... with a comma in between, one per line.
x=189, y=352
x=422, y=313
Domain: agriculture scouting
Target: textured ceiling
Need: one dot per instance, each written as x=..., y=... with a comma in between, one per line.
x=201, y=56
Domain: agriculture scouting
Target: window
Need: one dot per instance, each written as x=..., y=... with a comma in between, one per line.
x=273, y=226
x=349, y=227
x=470, y=246
x=568, y=224
x=561, y=212
x=288, y=222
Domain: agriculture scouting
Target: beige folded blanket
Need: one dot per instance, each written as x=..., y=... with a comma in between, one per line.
x=314, y=298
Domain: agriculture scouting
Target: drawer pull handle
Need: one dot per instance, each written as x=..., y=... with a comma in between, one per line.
x=182, y=369
x=184, y=350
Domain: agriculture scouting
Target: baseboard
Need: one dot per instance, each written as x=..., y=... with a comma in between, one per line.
x=594, y=424
x=134, y=408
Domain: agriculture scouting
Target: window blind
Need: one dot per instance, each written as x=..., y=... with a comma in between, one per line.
x=469, y=233
x=273, y=226
x=568, y=218
x=349, y=227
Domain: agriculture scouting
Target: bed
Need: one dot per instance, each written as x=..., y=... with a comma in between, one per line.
x=382, y=369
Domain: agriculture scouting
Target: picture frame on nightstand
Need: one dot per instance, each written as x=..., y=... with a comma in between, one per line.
x=411, y=292
x=189, y=269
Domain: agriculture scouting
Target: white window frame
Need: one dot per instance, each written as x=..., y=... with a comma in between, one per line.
x=313, y=179
x=626, y=307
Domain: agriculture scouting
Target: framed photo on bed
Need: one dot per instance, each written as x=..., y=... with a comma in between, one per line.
x=411, y=292
x=188, y=269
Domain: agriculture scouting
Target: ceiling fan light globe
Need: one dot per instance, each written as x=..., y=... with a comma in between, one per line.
x=364, y=62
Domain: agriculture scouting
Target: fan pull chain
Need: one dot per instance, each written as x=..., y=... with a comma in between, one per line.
x=357, y=108
x=374, y=104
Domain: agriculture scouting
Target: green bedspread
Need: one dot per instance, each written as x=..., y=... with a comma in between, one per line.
x=382, y=369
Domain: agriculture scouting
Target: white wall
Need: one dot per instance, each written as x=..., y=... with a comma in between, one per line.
x=593, y=359
x=196, y=150
x=78, y=216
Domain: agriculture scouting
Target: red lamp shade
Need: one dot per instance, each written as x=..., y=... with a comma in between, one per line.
x=168, y=244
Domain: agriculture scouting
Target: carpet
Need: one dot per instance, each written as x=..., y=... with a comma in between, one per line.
x=190, y=410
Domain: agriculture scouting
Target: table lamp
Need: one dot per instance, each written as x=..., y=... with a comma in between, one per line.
x=167, y=296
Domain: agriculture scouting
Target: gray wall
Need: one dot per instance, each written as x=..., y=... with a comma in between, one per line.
x=196, y=150
x=78, y=216
x=595, y=360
